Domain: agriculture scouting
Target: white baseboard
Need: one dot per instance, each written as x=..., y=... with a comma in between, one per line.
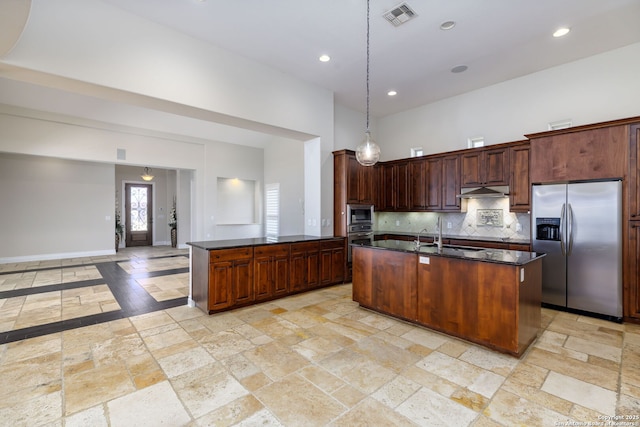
x=48, y=257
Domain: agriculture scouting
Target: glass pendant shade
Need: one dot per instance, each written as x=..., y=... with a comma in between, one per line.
x=368, y=152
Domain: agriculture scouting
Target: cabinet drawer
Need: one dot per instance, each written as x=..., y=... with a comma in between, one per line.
x=332, y=244
x=272, y=250
x=230, y=254
x=304, y=247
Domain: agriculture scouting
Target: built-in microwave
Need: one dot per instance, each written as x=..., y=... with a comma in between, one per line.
x=359, y=214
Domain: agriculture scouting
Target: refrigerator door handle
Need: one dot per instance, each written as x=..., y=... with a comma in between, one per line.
x=570, y=229
x=561, y=234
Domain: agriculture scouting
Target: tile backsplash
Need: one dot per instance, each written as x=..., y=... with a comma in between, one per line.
x=482, y=218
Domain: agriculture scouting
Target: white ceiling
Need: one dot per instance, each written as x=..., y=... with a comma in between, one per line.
x=497, y=39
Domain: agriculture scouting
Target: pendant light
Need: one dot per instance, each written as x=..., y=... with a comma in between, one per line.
x=368, y=152
x=147, y=175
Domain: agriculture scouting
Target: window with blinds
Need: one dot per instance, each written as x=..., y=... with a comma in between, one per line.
x=272, y=219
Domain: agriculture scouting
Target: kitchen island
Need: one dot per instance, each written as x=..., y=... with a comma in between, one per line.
x=227, y=274
x=488, y=296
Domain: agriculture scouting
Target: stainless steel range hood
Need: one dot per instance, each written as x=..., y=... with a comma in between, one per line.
x=484, y=193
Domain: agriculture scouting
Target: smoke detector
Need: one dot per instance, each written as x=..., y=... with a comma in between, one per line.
x=400, y=14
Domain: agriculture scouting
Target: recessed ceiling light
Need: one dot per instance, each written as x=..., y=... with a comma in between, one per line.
x=392, y=93
x=563, y=31
x=447, y=25
x=324, y=58
x=459, y=69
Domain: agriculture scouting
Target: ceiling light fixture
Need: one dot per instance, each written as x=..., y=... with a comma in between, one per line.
x=324, y=58
x=147, y=174
x=563, y=31
x=392, y=93
x=447, y=25
x=368, y=152
x=459, y=69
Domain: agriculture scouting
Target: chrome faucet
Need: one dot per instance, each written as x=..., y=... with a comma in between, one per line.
x=437, y=240
x=417, y=241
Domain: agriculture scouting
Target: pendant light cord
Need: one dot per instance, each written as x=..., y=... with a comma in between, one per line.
x=367, y=66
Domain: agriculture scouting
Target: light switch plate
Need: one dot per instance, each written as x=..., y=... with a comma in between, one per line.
x=425, y=260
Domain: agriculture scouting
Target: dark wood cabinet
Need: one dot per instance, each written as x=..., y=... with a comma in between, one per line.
x=395, y=190
x=352, y=183
x=634, y=173
x=632, y=264
x=632, y=289
x=451, y=183
x=332, y=261
x=230, y=278
x=418, y=175
x=485, y=166
x=579, y=155
x=271, y=271
x=386, y=281
x=304, y=266
x=519, y=183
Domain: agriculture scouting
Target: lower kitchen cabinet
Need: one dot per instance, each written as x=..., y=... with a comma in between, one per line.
x=332, y=261
x=271, y=271
x=633, y=271
x=228, y=278
x=304, y=266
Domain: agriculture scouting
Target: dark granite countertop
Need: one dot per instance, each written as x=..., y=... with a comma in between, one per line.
x=458, y=237
x=257, y=241
x=462, y=252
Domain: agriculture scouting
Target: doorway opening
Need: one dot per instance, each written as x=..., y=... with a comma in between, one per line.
x=138, y=211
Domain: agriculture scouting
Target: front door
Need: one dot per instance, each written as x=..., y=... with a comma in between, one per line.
x=138, y=208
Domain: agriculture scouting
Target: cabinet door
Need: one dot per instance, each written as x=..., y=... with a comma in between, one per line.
x=353, y=183
x=520, y=186
x=280, y=275
x=388, y=185
x=434, y=184
x=418, y=184
x=451, y=183
x=220, y=285
x=242, y=281
x=471, y=166
x=366, y=184
x=634, y=173
x=338, y=259
x=496, y=166
x=633, y=270
x=402, y=191
x=298, y=270
x=588, y=154
x=313, y=268
x=262, y=277
x=326, y=264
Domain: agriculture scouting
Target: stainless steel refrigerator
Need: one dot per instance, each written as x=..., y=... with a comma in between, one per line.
x=579, y=227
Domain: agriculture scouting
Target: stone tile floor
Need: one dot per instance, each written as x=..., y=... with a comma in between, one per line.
x=315, y=359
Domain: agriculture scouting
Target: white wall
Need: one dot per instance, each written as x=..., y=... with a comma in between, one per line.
x=55, y=208
x=284, y=164
x=599, y=88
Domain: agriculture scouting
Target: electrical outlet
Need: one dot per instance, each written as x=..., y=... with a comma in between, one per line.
x=448, y=224
x=397, y=223
x=518, y=226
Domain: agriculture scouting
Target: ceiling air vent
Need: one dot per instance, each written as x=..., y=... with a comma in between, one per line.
x=400, y=14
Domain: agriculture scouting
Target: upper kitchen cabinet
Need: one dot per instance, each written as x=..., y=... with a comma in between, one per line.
x=352, y=183
x=418, y=175
x=443, y=183
x=485, y=166
x=634, y=173
x=580, y=153
x=394, y=186
x=519, y=183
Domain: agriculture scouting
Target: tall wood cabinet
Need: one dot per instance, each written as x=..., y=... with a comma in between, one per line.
x=632, y=270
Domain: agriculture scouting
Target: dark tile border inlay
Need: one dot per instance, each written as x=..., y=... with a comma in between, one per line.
x=131, y=297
